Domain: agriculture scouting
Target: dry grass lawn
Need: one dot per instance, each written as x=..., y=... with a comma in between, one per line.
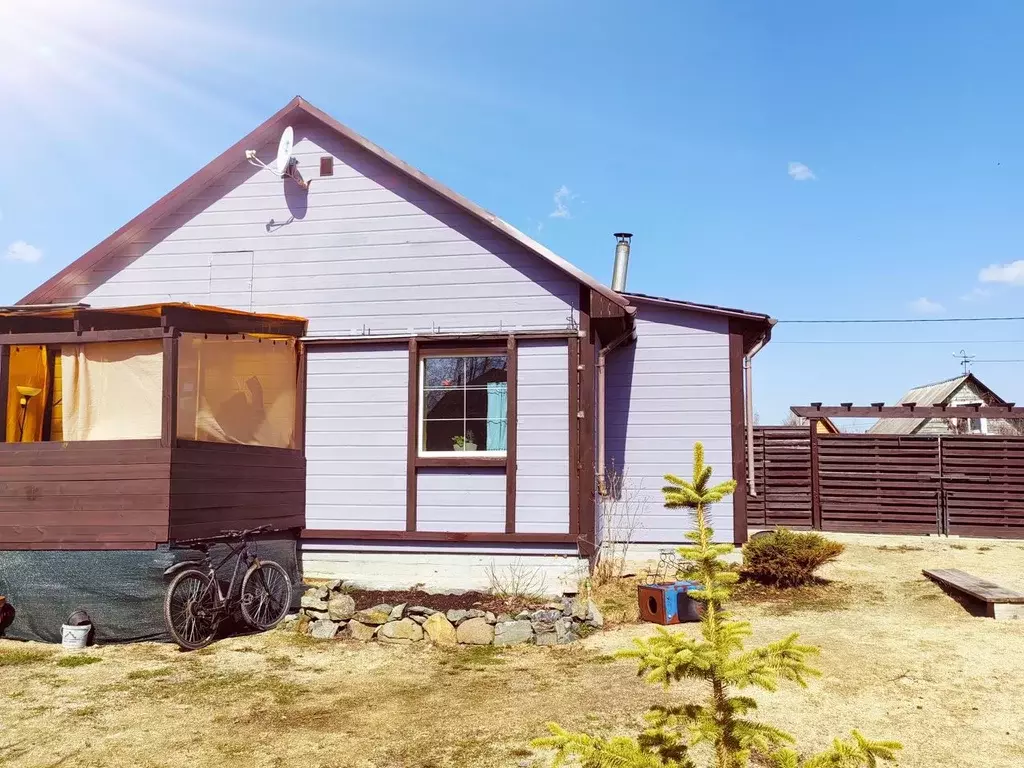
x=900, y=659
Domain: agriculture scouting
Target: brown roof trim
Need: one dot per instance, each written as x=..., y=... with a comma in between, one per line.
x=709, y=309
x=67, y=278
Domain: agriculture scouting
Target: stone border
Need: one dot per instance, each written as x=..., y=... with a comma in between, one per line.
x=328, y=613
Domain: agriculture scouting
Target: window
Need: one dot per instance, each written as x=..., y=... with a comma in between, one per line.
x=973, y=425
x=463, y=404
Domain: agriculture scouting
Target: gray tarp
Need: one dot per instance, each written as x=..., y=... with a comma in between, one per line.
x=122, y=590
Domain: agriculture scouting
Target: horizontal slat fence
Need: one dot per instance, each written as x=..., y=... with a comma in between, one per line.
x=983, y=478
x=971, y=485
x=879, y=483
x=782, y=475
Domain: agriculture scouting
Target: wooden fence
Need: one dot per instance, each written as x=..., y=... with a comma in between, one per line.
x=969, y=485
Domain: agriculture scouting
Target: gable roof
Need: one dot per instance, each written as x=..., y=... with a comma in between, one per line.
x=70, y=281
x=937, y=393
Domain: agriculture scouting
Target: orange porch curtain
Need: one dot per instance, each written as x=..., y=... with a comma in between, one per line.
x=28, y=370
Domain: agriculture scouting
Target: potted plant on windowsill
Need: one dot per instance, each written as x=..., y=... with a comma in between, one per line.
x=464, y=443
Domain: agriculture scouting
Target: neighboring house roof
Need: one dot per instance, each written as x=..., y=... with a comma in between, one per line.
x=937, y=393
x=70, y=283
x=827, y=427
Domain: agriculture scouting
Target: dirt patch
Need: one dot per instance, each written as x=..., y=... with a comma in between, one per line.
x=899, y=659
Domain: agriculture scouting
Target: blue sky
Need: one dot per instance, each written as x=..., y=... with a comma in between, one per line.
x=804, y=159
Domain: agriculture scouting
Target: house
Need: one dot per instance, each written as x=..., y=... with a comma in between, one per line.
x=465, y=388
x=965, y=390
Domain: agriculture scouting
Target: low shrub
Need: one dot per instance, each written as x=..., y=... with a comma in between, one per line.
x=785, y=558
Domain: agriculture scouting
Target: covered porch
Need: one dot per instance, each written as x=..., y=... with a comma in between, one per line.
x=133, y=427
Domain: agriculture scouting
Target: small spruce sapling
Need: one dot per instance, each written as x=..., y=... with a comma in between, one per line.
x=717, y=731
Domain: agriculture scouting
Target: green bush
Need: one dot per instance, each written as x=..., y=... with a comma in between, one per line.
x=784, y=558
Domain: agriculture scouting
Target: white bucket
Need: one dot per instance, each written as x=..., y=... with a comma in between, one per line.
x=74, y=637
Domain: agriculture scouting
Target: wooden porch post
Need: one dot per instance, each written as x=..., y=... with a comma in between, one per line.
x=5, y=365
x=169, y=415
x=815, y=477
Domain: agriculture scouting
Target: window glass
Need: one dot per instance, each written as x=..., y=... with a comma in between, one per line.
x=464, y=406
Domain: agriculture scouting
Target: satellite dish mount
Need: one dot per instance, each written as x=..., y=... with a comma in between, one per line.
x=284, y=165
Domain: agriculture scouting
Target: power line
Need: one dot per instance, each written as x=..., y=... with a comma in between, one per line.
x=847, y=321
x=899, y=341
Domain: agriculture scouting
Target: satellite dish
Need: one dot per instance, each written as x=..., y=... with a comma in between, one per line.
x=284, y=150
x=283, y=164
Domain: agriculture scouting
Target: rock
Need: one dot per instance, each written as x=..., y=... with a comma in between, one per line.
x=323, y=630
x=335, y=585
x=594, y=616
x=290, y=619
x=564, y=632
x=490, y=618
x=554, y=606
x=401, y=632
x=455, y=616
x=501, y=618
x=318, y=615
x=524, y=616
x=341, y=607
x=475, y=613
x=320, y=593
x=419, y=618
x=475, y=632
x=420, y=609
x=360, y=631
x=312, y=601
x=545, y=635
x=379, y=614
x=513, y=633
x=579, y=608
x=398, y=612
x=543, y=623
x=440, y=630
x=547, y=617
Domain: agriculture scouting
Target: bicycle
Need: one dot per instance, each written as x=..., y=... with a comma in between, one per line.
x=195, y=604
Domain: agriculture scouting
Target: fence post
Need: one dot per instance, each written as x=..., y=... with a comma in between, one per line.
x=815, y=478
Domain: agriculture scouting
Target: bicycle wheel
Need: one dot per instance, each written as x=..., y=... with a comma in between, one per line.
x=190, y=609
x=266, y=594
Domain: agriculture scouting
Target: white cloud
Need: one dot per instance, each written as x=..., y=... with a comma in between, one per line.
x=1011, y=273
x=800, y=172
x=925, y=306
x=563, y=196
x=22, y=251
x=976, y=294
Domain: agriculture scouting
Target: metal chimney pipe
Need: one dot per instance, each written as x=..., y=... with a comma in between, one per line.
x=621, y=261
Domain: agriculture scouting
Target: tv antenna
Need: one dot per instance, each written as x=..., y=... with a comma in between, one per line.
x=965, y=360
x=284, y=164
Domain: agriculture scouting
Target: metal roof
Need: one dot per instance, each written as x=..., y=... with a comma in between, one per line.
x=710, y=309
x=927, y=394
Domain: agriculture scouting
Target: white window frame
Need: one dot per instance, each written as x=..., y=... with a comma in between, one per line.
x=422, y=411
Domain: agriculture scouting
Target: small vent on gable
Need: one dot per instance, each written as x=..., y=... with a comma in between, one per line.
x=327, y=166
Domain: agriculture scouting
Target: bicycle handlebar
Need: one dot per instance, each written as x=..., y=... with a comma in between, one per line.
x=229, y=535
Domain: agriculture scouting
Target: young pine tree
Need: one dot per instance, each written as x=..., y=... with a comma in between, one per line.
x=718, y=730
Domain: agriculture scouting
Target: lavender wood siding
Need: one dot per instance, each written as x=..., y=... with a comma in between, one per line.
x=356, y=430
x=542, y=469
x=365, y=247
x=666, y=392
x=461, y=500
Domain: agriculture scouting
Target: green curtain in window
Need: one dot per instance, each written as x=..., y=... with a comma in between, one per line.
x=497, y=410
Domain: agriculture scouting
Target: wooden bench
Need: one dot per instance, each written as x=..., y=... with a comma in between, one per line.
x=1000, y=603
